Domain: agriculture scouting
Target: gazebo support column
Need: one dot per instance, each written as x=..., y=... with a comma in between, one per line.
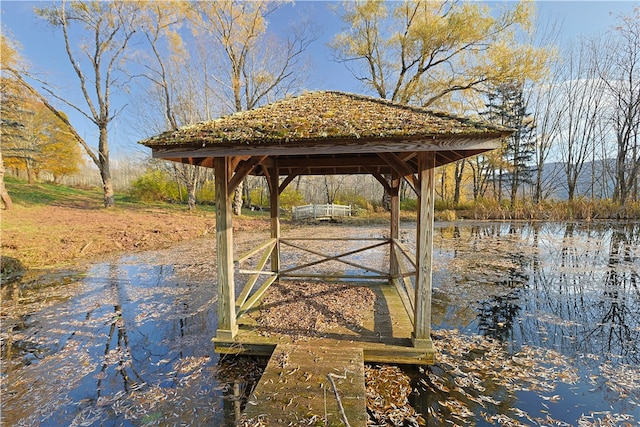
x=424, y=245
x=274, y=207
x=227, y=326
x=394, y=268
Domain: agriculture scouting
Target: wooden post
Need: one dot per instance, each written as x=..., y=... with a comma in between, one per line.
x=424, y=246
x=227, y=326
x=394, y=268
x=274, y=184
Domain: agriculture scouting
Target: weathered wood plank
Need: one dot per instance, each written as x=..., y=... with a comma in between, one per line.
x=409, y=306
x=327, y=258
x=268, y=244
x=295, y=386
x=227, y=326
x=422, y=317
x=385, y=336
x=316, y=147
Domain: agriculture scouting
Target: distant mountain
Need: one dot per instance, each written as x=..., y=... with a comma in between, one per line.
x=596, y=180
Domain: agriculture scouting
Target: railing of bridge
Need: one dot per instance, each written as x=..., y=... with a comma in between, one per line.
x=327, y=211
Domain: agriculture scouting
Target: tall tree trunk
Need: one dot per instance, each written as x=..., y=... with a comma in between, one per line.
x=4, y=194
x=459, y=171
x=105, y=168
x=237, y=199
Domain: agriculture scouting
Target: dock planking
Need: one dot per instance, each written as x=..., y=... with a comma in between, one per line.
x=295, y=387
x=298, y=385
x=384, y=338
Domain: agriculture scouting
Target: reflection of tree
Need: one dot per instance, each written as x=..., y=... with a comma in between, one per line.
x=118, y=340
x=617, y=330
x=585, y=295
x=497, y=315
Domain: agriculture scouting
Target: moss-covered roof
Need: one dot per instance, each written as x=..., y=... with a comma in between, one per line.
x=323, y=116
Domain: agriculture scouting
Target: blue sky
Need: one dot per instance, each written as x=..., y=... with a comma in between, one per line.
x=44, y=48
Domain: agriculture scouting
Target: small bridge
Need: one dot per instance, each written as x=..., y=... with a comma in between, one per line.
x=327, y=211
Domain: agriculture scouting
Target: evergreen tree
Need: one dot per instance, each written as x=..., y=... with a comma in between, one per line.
x=506, y=106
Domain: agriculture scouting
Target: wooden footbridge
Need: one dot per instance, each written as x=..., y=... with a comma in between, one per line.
x=327, y=133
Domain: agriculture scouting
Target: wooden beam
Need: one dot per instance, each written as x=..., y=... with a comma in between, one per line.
x=486, y=141
x=380, y=179
x=422, y=318
x=394, y=194
x=402, y=168
x=244, y=170
x=292, y=175
x=269, y=243
x=254, y=278
x=257, y=294
x=405, y=252
x=335, y=257
x=227, y=325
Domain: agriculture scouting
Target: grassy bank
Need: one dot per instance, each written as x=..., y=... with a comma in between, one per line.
x=54, y=226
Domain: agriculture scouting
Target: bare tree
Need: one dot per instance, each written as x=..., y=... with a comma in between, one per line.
x=167, y=69
x=619, y=70
x=581, y=99
x=547, y=118
x=109, y=28
x=253, y=65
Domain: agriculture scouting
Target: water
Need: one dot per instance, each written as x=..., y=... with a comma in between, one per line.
x=126, y=342
x=536, y=324
x=566, y=296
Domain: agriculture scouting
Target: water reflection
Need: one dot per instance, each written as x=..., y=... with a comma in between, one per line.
x=569, y=288
x=126, y=343
x=538, y=323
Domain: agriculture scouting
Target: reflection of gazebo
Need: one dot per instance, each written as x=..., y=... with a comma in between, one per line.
x=325, y=133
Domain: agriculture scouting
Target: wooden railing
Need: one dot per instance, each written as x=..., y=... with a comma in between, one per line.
x=320, y=211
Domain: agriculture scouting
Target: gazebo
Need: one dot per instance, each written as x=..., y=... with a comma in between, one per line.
x=328, y=133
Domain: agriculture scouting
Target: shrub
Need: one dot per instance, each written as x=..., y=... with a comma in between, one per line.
x=155, y=185
x=409, y=205
x=207, y=193
x=290, y=197
x=355, y=200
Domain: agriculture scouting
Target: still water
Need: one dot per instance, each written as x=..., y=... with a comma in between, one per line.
x=536, y=324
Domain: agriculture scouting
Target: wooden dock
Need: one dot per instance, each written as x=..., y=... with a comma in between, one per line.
x=310, y=384
x=384, y=338
x=296, y=386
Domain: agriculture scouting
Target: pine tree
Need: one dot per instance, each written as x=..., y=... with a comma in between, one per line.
x=506, y=106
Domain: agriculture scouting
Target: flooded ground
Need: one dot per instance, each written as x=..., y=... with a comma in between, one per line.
x=535, y=324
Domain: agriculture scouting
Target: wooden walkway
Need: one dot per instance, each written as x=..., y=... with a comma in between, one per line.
x=296, y=386
x=304, y=382
x=384, y=338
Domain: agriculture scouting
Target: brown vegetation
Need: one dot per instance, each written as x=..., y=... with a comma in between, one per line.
x=51, y=236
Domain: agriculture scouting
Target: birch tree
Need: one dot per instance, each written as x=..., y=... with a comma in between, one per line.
x=107, y=28
x=254, y=66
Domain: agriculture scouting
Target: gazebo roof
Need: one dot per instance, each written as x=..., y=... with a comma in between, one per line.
x=341, y=132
